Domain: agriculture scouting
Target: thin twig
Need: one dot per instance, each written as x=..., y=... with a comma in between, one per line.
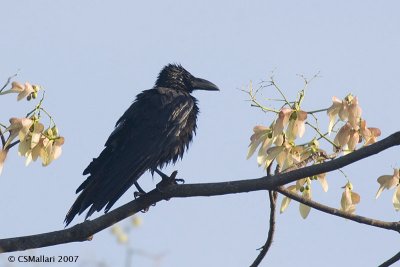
x=390, y=261
x=316, y=111
x=255, y=103
x=271, y=231
x=264, y=249
x=356, y=218
x=272, y=82
x=13, y=144
x=322, y=135
x=8, y=82
x=3, y=140
x=37, y=107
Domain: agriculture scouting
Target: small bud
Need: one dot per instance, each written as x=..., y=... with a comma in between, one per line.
x=293, y=116
x=49, y=132
x=302, y=189
x=34, y=118
x=122, y=238
x=54, y=130
x=29, y=97
x=136, y=221
x=34, y=95
x=349, y=98
x=36, y=88
x=350, y=185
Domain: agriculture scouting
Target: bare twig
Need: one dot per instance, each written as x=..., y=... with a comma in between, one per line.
x=83, y=231
x=356, y=218
x=3, y=139
x=316, y=111
x=322, y=135
x=13, y=144
x=390, y=261
x=8, y=82
x=264, y=249
x=273, y=83
x=271, y=231
x=255, y=103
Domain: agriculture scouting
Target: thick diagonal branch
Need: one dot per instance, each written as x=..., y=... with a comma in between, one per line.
x=266, y=182
x=85, y=230
x=82, y=231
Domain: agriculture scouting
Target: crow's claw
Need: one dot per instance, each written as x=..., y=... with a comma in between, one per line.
x=137, y=194
x=168, y=180
x=179, y=180
x=139, y=188
x=145, y=210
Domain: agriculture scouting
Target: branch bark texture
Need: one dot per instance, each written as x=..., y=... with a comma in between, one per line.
x=87, y=229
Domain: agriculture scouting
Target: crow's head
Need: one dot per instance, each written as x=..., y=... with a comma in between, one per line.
x=176, y=77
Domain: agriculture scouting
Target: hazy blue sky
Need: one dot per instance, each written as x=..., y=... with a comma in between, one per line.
x=93, y=57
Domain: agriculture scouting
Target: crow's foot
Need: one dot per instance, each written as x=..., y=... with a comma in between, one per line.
x=139, y=188
x=137, y=194
x=162, y=175
x=140, y=191
x=167, y=180
x=145, y=210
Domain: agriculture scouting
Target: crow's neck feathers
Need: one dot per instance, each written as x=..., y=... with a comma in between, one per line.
x=176, y=77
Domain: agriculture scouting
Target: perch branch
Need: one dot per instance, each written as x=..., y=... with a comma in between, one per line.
x=85, y=230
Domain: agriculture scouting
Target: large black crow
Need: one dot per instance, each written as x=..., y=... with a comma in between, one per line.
x=155, y=130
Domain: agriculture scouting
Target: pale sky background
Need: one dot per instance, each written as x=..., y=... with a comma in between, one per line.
x=94, y=57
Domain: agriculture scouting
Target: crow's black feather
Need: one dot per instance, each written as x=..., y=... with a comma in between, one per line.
x=154, y=131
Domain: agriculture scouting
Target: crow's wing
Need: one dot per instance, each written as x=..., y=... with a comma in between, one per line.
x=153, y=131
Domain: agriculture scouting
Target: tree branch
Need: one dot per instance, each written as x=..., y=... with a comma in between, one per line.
x=395, y=226
x=8, y=82
x=264, y=249
x=266, y=182
x=390, y=261
x=3, y=140
x=84, y=231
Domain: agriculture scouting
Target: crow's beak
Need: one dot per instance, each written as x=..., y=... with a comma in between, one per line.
x=201, y=84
